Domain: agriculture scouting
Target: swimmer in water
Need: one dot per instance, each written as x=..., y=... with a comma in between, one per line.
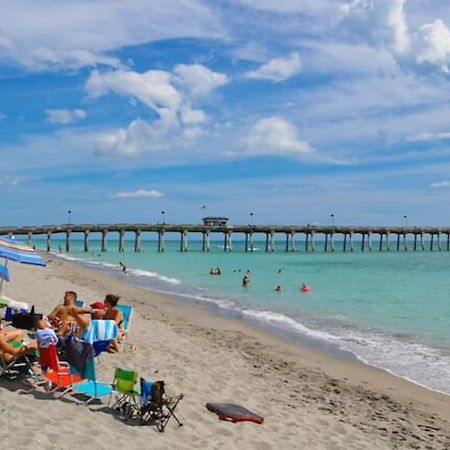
x=279, y=288
x=305, y=289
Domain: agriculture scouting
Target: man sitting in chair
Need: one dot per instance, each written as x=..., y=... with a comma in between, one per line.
x=62, y=318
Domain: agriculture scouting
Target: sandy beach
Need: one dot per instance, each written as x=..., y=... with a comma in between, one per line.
x=309, y=398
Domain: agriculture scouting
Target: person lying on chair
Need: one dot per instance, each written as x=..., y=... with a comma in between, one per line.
x=11, y=334
x=8, y=352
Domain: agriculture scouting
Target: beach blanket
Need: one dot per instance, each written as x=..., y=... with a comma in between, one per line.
x=233, y=413
x=100, y=330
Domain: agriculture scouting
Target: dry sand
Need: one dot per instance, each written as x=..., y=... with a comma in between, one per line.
x=310, y=399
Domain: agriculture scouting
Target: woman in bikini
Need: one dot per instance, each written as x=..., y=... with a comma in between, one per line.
x=101, y=311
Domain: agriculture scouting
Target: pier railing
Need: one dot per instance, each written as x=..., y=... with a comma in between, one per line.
x=382, y=238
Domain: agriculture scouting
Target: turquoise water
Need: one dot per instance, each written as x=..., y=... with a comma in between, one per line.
x=390, y=309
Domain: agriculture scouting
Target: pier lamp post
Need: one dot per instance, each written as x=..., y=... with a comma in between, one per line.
x=251, y=218
x=405, y=218
x=162, y=217
x=69, y=213
x=332, y=219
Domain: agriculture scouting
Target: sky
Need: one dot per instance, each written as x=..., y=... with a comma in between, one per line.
x=275, y=111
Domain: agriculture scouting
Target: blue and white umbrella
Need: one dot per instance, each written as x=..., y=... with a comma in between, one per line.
x=17, y=251
x=13, y=250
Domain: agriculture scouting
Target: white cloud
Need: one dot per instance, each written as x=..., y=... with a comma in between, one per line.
x=72, y=34
x=385, y=24
x=141, y=193
x=440, y=184
x=169, y=95
x=384, y=21
x=191, y=116
x=274, y=135
x=278, y=69
x=153, y=88
x=291, y=6
x=433, y=45
x=64, y=116
x=198, y=80
x=424, y=137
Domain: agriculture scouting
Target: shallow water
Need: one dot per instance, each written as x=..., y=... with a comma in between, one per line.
x=389, y=309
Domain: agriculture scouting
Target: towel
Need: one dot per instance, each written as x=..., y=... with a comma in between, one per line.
x=146, y=391
x=78, y=354
x=100, y=330
x=46, y=337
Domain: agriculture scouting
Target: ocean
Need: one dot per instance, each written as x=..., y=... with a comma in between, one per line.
x=388, y=309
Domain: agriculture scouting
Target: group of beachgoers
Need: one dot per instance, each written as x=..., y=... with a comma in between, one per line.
x=304, y=288
x=66, y=319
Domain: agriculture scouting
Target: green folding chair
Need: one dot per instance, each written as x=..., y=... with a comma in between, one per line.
x=124, y=386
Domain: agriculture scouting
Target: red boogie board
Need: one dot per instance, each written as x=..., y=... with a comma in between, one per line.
x=233, y=413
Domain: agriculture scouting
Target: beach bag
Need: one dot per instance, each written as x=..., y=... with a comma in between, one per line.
x=26, y=320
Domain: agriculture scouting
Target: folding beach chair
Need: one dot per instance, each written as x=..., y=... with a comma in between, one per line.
x=92, y=388
x=81, y=357
x=19, y=364
x=57, y=373
x=124, y=385
x=127, y=314
x=157, y=407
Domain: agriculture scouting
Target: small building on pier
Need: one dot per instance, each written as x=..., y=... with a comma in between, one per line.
x=214, y=221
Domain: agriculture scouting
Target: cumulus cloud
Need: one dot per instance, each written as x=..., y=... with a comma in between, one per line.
x=278, y=69
x=274, y=135
x=141, y=193
x=64, y=116
x=198, y=80
x=169, y=95
x=440, y=184
x=433, y=45
x=383, y=21
x=153, y=88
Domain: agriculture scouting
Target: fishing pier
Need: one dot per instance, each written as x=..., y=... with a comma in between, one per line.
x=307, y=238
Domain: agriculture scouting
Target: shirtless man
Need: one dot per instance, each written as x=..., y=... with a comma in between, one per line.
x=61, y=317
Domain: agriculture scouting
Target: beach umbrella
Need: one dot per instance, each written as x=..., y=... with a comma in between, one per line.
x=17, y=251
x=13, y=250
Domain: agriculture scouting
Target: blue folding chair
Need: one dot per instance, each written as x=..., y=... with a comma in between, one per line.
x=92, y=388
x=80, y=355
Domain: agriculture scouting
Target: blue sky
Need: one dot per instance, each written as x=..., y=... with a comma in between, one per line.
x=290, y=110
